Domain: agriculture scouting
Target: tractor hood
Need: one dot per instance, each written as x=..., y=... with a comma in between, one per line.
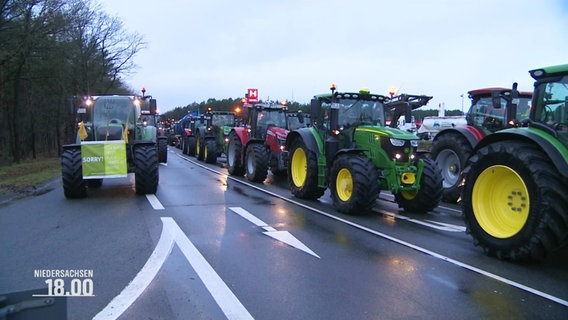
x=280, y=133
x=388, y=132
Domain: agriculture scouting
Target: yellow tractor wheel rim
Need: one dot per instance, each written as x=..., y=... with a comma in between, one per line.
x=299, y=167
x=344, y=185
x=500, y=201
x=198, y=145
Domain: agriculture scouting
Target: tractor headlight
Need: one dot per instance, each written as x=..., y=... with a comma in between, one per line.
x=397, y=142
x=414, y=143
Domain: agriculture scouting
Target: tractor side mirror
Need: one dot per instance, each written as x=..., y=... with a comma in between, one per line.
x=315, y=108
x=153, y=106
x=496, y=99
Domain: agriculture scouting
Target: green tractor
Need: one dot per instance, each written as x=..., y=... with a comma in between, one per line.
x=212, y=134
x=515, y=196
x=349, y=149
x=114, y=138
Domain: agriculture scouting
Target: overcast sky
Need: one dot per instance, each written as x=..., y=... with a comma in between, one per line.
x=295, y=49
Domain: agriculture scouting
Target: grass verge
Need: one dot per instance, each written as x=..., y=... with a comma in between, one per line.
x=21, y=177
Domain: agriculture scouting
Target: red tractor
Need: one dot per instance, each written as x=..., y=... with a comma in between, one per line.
x=257, y=146
x=492, y=109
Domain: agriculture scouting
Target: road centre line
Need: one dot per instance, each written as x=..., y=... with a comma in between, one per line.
x=172, y=234
x=393, y=239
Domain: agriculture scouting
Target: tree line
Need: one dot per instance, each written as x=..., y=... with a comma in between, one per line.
x=51, y=51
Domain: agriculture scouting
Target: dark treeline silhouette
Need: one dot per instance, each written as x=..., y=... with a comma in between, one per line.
x=227, y=104
x=50, y=51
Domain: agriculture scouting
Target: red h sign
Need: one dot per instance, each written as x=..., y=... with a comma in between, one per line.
x=252, y=95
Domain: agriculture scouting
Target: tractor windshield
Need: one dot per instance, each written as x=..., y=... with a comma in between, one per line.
x=552, y=106
x=272, y=117
x=221, y=120
x=114, y=109
x=354, y=112
x=296, y=121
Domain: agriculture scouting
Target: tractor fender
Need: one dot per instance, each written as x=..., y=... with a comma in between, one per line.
x=471, y=134
x=143, y=142
x=254, y=140
x=241, y=132
x=309, y=138
x=348, y=151
x=72, y=146
x=556, y=151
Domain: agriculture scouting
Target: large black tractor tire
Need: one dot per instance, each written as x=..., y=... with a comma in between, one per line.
x=191, y=146
x=200, y=148
x=256, y=168
x=72, y=174
x=430, y=193
x=184, y=144
x=354, y=184
x=163, y=150
x=146, y=173
x=303, y=172
x=234, y=151
x=451, y=151
x=514, y=201
x=210, y=152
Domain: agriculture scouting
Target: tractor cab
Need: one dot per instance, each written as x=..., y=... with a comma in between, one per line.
x=263, y=116
x=496, y=108
x=550, y=110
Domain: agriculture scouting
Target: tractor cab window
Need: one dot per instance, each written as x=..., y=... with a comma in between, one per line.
x=221, y=120
x=295, y=123
x=354, y=112
x=523, y=108
x=113, y=110
x=483, y=114
x=552, y=106
x=269, y=117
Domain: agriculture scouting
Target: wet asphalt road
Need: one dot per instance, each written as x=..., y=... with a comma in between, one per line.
x=210, y=246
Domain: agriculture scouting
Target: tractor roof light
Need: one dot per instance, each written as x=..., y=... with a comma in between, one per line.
x=364, y=91
x=392, y=91
x=537, y=73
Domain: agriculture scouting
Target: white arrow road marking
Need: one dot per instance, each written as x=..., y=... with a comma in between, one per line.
x=172, y=233
x=432, y=224
x=282, y=236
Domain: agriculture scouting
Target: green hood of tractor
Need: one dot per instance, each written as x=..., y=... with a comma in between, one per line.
x=388, y=132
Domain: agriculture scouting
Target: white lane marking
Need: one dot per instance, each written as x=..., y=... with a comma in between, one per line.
x=432, y=224
x=393, y=239
x=172, y=233
x=156, y=204
x=134, y=289
x=451, y=227
x=282, y=236
x=224, y=297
